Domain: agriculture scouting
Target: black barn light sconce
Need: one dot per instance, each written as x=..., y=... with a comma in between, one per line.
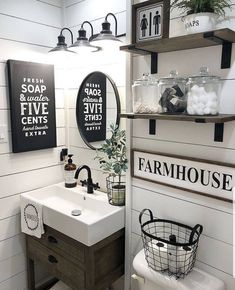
x=83, y=44
x=61, y=46
x=106, y=35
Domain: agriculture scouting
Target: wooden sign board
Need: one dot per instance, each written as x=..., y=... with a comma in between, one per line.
x=32, y=104
x=203, y=177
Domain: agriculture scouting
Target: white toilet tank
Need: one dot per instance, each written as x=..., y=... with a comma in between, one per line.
x=149, y=279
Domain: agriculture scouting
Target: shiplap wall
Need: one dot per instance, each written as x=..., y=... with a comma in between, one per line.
x=112, y=64
x=193, y=140
x=29, y=28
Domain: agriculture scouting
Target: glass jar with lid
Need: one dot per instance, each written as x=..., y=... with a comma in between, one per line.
x=172, y=94
x=203, y=93
x=145, y=95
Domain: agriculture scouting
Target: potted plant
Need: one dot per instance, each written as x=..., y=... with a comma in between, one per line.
x=112, y=159
x=201, y=15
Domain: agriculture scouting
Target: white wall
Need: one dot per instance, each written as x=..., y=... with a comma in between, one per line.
x=28, y=30
x=193, y=140
x=112, y=64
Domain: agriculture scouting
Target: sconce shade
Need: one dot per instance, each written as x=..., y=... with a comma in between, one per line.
x=106, y=35
x=61, y=46
x=82, y=44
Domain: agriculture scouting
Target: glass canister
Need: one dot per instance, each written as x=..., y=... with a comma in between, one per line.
x=145, y=95
x=172, y=94
x=203, y=93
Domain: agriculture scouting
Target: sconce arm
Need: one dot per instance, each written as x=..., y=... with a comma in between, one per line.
x=115, y=19
x=71, y=34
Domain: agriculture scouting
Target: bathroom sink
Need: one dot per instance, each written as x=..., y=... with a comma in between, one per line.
x=98, y=219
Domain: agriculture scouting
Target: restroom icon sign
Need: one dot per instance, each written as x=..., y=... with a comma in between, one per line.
x=149, y=22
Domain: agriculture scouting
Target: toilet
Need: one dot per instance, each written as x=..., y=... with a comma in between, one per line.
x=149, y=279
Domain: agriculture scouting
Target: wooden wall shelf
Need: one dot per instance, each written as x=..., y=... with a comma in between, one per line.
x=218, y=120
x=224, y=37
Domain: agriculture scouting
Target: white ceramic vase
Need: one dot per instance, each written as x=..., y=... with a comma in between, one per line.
x=200, y=22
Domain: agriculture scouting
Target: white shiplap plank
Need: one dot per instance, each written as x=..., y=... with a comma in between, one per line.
x=9, y=227
x=11, y=247
x=6, y=147
x=185, y=132
x=9, y=206
x=12, y=266
x=90, y=9
x=15, y=163
x=39, y=12
x=17, y=282
x=209, y=56
x=57, y=3
x=27, y=32
x=184, y=149
x=38, y=177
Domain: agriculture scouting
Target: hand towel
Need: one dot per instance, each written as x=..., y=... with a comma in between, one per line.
x=31, y=217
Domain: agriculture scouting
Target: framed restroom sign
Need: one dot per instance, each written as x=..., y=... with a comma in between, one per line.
x=32, y=105
x=150, y=20
x=204, y=177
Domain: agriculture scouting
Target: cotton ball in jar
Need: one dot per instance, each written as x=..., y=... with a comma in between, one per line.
x=190, y=110
x=207, y=111
x=213, y=96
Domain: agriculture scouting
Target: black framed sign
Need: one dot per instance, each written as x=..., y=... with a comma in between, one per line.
x=32, y=104
x=150, y=20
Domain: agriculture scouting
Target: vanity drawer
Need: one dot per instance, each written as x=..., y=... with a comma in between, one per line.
x=56, y=264
x=63, y=245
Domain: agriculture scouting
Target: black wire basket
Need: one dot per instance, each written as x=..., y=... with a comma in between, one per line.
x=169, y=246
x=116, y=190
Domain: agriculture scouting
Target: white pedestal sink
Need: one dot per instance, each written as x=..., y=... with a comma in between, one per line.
x=98, y=218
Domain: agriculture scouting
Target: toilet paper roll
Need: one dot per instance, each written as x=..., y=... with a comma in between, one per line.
x=185, y=257
x=157, y=255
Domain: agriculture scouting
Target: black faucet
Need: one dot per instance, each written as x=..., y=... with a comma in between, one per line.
x=89, y=183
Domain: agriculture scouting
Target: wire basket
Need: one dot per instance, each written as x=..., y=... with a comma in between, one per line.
x=169, y=246
x=116, y=190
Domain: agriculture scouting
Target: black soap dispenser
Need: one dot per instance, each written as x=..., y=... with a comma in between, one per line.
x=69, y=172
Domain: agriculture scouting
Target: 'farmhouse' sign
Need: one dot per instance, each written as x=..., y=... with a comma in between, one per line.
x=199, y=176
x=32, y=101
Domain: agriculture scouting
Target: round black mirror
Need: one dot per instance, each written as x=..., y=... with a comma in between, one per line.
x=98, y=105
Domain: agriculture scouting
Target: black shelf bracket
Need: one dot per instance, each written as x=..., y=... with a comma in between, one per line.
x=226, y=49
x=152, y=127
x=226, y=54
x=219, y=132
x=154, y=62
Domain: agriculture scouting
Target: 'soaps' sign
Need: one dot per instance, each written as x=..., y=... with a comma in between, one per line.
x=195, y=175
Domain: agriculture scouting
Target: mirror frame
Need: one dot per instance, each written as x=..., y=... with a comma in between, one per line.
x=117, y=102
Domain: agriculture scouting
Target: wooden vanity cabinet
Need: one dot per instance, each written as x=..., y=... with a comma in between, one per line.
x=77, y=265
